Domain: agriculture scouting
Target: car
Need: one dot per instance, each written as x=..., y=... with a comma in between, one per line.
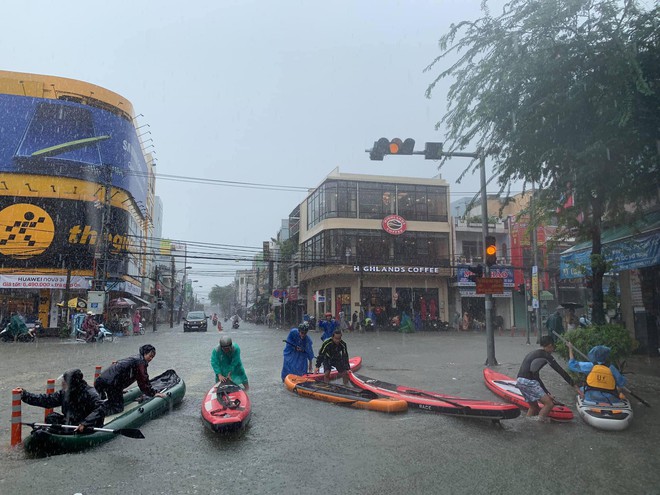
x=195, y=321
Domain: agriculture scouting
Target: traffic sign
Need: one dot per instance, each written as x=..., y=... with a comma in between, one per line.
x=490, y=285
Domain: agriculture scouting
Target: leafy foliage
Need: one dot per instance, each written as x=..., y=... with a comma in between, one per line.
x=222, y=297
x=563, y=93
x=615, y=337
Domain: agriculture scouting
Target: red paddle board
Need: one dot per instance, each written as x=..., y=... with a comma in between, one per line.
x=225, y=408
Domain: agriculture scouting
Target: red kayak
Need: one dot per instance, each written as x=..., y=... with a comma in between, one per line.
x=226, y=408
x=354, y=363
x=505, y=387
x=436, y=402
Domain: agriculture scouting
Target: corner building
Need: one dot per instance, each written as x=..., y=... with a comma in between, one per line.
x=63, y=143
x=375, y=243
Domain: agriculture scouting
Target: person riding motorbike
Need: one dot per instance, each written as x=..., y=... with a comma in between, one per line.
x=90, y=327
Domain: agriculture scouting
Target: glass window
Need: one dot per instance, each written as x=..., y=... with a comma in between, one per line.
x=370, y=197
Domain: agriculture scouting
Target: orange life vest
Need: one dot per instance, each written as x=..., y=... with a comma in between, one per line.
x=601, y=378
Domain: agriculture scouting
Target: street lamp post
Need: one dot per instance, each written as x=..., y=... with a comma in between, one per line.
x=172, y=288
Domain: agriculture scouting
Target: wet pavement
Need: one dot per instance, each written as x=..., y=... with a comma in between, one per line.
x=298, y=445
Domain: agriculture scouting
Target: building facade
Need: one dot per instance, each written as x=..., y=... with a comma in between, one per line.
x=74, y=194
x=374, y=244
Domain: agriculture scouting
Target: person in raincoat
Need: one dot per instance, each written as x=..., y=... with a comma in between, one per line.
x=298, y=352
x=604, y=381
x=406, y=324
x=328, y=325
x=226, y=363
x=113, y=380
x=81, y=404
x=17, y=326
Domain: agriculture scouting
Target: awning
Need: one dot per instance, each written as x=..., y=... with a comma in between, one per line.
x=628, y=247
x=143, y=301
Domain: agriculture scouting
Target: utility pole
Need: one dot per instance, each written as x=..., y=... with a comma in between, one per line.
x=183, y=292
x=156, y=291
x=172, y=287
x=105, y=220
x=536, y=304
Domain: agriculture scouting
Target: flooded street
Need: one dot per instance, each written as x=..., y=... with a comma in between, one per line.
x=299, y=445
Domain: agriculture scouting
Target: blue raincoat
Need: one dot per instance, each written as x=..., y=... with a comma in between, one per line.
x=328, y=328
x=598, y=355
x=295, y=361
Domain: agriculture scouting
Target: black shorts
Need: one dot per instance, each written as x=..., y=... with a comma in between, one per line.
x=340, y=365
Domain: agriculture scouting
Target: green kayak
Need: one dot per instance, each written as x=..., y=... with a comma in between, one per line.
x=50, y=441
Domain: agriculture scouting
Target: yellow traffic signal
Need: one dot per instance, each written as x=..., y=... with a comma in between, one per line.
x=491, y=250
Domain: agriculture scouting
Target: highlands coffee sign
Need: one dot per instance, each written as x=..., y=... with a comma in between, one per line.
x=394, y=224
x=426, y=270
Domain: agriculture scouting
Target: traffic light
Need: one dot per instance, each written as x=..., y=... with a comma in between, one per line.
x=433, y=151
x=491, y=250
x=477, y=271
x=384, y=147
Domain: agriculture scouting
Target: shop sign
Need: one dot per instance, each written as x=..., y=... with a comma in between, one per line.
x=490, y=285
x=465, y=292
x=42, y=282
x=425, y=270
x=394, y=224
x=505, y=273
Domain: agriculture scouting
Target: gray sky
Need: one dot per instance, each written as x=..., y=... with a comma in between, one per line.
x=251, y=91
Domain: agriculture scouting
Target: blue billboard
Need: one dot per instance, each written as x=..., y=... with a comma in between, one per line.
x=43, y=136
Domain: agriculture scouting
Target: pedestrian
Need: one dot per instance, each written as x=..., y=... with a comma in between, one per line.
x=113, y=380
x=333, y=352
x=137, y=319
x=499, y=324
x=328, y=325
x=298, y=352
x=604, y=381
x=529, y=380
x=354, y=321
x=554, y=324
x=226, y=363
x=81, y=404
x=90, y=327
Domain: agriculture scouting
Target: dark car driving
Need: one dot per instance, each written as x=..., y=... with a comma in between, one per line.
x=195, y=321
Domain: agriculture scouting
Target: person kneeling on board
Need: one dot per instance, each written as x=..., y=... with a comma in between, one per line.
x=334, y=352
x=529, y=380
x=604, y=381
x=113, y=380
x=80, y=403
x=226, y=363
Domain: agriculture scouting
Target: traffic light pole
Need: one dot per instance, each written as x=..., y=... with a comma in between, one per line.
x=155, y=315
x=490, y=334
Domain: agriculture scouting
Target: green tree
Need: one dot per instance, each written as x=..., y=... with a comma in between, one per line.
x=564, y=93
x=222, y=297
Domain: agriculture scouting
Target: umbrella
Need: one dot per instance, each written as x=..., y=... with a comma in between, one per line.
x=571, y=305
x=76, y=302
x=122, y=302
x=144, y=308
x=546, y=296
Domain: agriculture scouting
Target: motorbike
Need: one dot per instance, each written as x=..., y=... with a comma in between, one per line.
x=104, y=335
x=235, y=324
x=7, y=336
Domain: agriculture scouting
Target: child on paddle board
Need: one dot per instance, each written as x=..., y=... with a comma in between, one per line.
x=529, y=380
x=226, y=363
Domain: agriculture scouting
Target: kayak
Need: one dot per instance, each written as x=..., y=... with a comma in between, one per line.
x=505, y=387
x=226, y=408
x=52, y=441
x=436, y=402
x=342, y=395
x=606, y=416
x=354, y=363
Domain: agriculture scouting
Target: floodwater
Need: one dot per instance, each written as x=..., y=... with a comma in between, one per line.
x=299, y=445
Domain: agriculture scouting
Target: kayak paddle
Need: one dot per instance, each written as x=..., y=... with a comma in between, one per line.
x=126, y=432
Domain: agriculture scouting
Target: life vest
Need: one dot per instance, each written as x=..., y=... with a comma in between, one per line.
x=601, y=378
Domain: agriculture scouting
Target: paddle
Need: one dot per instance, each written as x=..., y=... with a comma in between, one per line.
x=435, y=397
x=625, y=389
x=126, y=432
